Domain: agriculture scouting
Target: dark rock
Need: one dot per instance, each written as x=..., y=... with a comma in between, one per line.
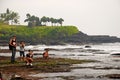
x=87, y=46
x=115, y=54
x=113, y=76
x=18, y=78
x=110, y=76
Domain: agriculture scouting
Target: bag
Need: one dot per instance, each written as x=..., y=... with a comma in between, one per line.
x=10, y=47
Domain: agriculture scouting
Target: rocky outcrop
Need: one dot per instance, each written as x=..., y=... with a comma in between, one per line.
x=79, y=38
x=84, y=38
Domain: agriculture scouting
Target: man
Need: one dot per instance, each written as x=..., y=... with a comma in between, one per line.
x=13, y=45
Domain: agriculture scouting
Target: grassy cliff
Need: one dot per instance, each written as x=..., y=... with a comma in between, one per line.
x=39, y=34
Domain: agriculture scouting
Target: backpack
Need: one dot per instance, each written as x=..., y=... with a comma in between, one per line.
x=10, y=47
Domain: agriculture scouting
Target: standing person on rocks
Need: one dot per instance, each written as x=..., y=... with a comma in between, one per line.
x=12, y=46
x=22, y=50
x=1, y=76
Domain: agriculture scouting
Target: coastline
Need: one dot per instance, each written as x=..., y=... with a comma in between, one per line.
x=106, y=64
x=40, y=65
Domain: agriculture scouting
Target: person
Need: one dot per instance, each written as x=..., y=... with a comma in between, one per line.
x=45, y=54
x=13, y=44
x=22, y=50
x=1, y=76
x=29, y=57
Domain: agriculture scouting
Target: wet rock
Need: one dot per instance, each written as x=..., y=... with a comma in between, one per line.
x=72, y=55
x=18, y=78
x=100, y=52
x=106, y=68
x=87, y=46
x=52, y=49
x=54, y=68
x=110, y=76
x=88, y=77
x=62, y=67
x=116, y=54
x=68, y=77
x=63, y=64
x=77, y=78
x=38, y=54
x=113, y=76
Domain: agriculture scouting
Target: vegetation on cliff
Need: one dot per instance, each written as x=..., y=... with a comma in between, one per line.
x=42, y=34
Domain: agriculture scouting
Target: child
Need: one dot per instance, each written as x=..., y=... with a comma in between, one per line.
x=45, y=54
x=29, y=57
x=22, y=54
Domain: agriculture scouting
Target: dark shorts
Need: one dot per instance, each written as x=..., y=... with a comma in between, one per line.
x=22, y=53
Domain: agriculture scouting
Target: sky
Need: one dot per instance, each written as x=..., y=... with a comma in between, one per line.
x=93, y=17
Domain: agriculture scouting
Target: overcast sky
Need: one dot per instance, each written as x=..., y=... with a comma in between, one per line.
x=93, y=17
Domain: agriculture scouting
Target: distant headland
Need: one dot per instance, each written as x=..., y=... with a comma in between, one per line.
x=51, y=35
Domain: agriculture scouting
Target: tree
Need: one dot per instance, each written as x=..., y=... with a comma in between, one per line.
x=14, y=17
x=52, y=20
x=28, y=15
x=55, y=21
x=7, y=11
x=32, y=20
x=47, y=19
x=44, y=20
x=9, y=16
x=60, y=21
x=38, y=22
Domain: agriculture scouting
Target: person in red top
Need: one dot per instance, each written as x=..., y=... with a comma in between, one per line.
x=13, y=44
x=45, y=54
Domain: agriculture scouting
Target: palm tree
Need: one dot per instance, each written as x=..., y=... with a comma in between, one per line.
x=7, y=11
x=44, y=20
x=60, y=21
x=9, y=16
x=32, y=20
x=55, y=21
x=38, y=22
x=14, y=17
x=52, y=20
x=47, y=19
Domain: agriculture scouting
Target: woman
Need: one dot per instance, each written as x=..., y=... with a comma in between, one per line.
x=13, y=44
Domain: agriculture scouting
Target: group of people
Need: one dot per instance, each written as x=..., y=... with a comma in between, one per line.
x=28, y=58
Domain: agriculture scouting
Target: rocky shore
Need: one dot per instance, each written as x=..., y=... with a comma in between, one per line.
x=40, y=65
x=19, y=70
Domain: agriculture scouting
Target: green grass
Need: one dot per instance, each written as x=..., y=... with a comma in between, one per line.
x=43, y=62
x=39, y=33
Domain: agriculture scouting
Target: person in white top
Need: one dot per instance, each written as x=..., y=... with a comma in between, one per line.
x=22, y=50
